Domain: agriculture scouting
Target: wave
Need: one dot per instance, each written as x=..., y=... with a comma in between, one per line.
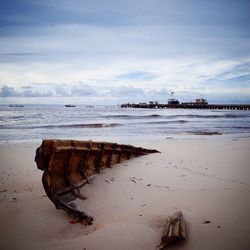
x=176, y=116
x=87, y=125
x=21, y=117
x=241, y=127
x=209, y=116
x=204, y=132
x=133, y=116
x=84, y=125
x=236, y=115
x=13, y=117
x=165, y=122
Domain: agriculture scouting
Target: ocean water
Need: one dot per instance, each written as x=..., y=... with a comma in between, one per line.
x=36, y=122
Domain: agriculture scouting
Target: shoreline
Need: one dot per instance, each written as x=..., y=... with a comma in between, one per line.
x=133, y=139
x=206, y=177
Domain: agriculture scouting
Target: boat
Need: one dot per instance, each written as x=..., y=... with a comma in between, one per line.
x=201, y=101
x=16, y=106
x=69, y=106
x=172, y=100
x=70, y=164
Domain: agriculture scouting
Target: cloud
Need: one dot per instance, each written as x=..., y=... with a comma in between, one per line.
x=48, y=90
x=237, y=73
x=7, y=91
x=79, y=90
x=126, y=78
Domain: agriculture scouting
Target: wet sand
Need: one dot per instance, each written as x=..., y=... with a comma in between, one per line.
x=207, y=178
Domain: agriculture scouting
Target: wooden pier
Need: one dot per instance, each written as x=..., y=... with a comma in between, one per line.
x=187, y=106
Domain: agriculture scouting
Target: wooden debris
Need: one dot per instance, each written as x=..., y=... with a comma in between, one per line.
x=174, y=230
x=206, y=222
x=70, y=164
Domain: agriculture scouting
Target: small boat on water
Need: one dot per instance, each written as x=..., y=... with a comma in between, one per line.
x=69, y=106
x=69, y=164
x=16, y=106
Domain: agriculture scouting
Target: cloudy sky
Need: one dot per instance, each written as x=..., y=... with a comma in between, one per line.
x=113, y=51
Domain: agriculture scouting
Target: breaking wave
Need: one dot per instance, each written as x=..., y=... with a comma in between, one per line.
x=85, y=125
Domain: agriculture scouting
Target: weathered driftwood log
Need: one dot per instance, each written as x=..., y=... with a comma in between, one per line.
x=69, y=164
x=174, y=230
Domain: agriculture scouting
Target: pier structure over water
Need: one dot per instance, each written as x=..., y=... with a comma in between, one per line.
x=186, y=106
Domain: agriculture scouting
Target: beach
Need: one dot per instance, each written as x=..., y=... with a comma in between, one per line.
x=124, y=125
x=205, y=177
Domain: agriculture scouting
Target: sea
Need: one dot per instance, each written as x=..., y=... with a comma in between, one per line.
x=37, y=122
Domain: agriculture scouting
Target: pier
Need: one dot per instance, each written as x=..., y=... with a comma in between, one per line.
x=186, y=106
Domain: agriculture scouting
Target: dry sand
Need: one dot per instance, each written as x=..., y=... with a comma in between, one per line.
x=207, y=178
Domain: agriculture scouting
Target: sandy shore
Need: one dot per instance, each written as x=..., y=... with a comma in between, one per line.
x=207, y=178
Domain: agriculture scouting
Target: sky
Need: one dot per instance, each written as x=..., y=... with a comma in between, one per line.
x=113, y=51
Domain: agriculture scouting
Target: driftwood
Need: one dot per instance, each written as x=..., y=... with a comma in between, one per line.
x=174, y=230
x=69, y=164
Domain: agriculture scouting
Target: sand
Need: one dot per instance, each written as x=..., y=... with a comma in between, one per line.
x=206, y=177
